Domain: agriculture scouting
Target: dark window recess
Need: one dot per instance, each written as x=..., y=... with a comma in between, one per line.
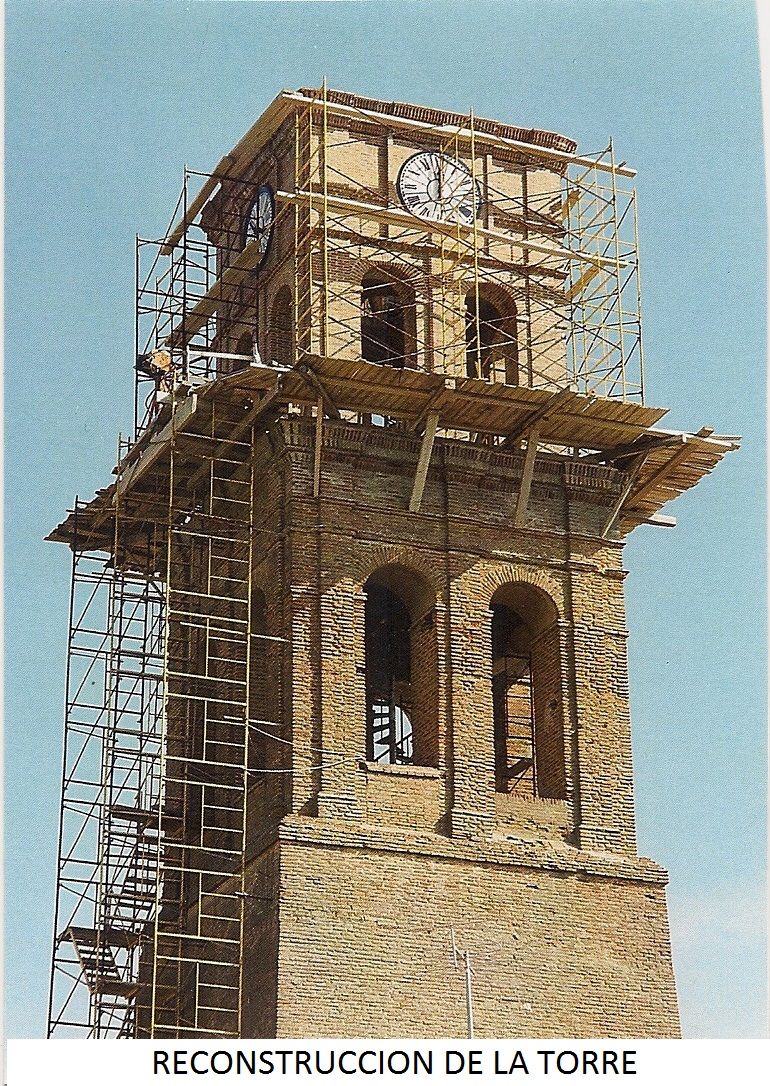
x=388, y=678
x=513, y=703
x=480, y=336
x=491, y=350
x=383, y=324
x=245, y=346
x=281, y=331
x=241, y=345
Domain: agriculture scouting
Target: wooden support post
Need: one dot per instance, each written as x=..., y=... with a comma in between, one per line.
x=662, y=472
x=319, y=429
x=526, y=479
x=634, y=470
x=421, y=474
x=422, y=418
x=537, y=416
x=631, y=450
x=310, y=377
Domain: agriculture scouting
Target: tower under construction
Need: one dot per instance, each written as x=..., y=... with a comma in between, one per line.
x=347, y=742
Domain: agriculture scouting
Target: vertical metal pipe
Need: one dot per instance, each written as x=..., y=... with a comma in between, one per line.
x=184, y=284
x=468, y=992
x=479, y=371
x=325, y=225
x=638, y=296
x=527, y=279
x=618, y=273
x=67, y=680
x=136, y=337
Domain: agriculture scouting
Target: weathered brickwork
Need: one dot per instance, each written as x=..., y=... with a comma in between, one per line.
x=366, y=930
x=363, y=160
x=361, y=870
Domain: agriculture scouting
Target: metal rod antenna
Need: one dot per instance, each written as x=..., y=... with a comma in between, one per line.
x=469, y=992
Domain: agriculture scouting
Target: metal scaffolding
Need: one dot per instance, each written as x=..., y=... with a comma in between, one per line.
x=563, y=250
x=164, y=729
x=107, y=852
x=149, y=919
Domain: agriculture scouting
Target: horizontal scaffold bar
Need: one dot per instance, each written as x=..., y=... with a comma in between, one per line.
x=236, y=160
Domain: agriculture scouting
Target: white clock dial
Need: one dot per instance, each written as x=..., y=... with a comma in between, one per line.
x=259, y=221
x=439, y=188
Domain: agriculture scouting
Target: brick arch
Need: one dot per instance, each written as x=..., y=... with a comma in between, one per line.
x=528, y=681
x=401, y=273
x=506, y=573
x=390, y=555
x=401, y=664
x=499, y=355
x=503, y=296
x=280, y=331
x=388, y=323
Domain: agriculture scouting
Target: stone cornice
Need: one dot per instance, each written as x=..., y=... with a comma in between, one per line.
x=534, y=855
x=297, y=436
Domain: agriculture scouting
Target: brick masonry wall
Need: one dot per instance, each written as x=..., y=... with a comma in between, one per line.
x=365, y=945
x=361, y=524
x=363, y=163
x=567, y=928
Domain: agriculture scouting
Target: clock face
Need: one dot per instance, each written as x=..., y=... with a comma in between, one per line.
x=259, y=221
x=439, y=188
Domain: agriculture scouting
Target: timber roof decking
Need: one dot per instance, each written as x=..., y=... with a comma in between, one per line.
x=658, y=464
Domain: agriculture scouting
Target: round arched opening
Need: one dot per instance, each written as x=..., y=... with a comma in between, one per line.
x=387, y=320
x=401, y=668
x=527, y=693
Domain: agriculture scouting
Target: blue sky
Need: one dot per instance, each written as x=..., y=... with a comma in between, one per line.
x=105, y=103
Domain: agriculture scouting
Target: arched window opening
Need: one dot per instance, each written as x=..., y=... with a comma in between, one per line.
x=491, y=349
x=281, y=329
x=401, y=669
x=389, y=676
x=387, y=320
x=526, y=694
x=513, y=703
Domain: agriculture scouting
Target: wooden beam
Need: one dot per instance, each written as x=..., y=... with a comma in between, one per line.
x=534, y=418
x=565, y=208
x=157, y=445
x=308, y=374
x=426, y=447
x=136, y=449
x=579, y=286
x=251, y=418
x=394, y=215
x=522, y=500
x=647, y=443
x=662, y=472
x=421, y=421
x=319, y=429
x=197, y=205
x=266, y=125
x=614, y=513
x=395, y=121
x=659, y=520
x=245, y=149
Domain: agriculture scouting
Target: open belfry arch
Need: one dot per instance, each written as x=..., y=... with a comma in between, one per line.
x=347, y=674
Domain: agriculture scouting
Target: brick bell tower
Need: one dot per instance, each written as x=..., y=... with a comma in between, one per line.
x=364, y=719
